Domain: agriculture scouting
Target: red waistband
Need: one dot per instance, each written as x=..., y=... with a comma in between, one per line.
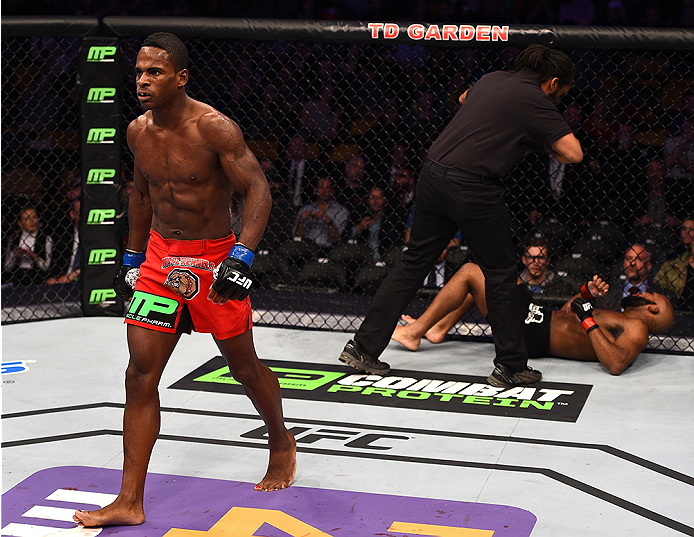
x=193, y=246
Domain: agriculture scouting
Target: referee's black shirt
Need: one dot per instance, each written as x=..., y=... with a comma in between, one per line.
x=504, y=115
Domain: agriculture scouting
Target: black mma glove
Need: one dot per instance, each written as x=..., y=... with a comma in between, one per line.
x=233, y=276
x=124, y=282
x=584, y=310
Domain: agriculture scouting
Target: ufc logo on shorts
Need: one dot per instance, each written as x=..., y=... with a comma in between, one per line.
x=243, y=281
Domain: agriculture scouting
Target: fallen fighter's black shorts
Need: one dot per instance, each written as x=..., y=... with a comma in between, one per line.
x=536, y=330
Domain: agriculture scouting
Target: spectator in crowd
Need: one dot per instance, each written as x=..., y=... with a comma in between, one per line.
x=308, y=10
x=375, y=227
x=297, y=172
x=579, y=12
x=387, y=130
x=398, y=160
x=679, y=161
x=635, y=277
x=72, y=265
x=352, y=188
x=269, y=265
x=679, y=151
x=73, y=185
x=602, y=124
x=651, y=17
x=542, y=189
x=686, y=237
x=686, y=19
x=687, y=112
x=321, y=116
x=29, y=252
x=323, y=221
x=676, y=276
x=374, y=239
x=339, y=10
x=537, y=274
x=656, y=206
x=282, y=215
x=576, y=331
x=402, y=190
x=616, y=192
x=614, y=14
x=318, y=226
x=537, y=12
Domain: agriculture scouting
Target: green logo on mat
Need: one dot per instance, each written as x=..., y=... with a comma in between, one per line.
x=293, y=379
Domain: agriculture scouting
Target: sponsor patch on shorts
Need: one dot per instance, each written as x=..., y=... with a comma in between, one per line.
x=153, y=310
x=184, y=282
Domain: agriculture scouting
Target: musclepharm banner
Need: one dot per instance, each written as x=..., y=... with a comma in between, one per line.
x=101, y=213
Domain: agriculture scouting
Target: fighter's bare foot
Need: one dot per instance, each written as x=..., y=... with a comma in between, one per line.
x=405, y=335
x=282, y=467
x=115, y=514
x=435, y=335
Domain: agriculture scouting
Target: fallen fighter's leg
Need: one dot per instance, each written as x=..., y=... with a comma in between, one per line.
x=464, y=290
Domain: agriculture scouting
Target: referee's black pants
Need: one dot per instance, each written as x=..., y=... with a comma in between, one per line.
x=449, y=199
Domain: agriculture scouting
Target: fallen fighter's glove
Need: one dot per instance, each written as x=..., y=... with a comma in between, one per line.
x=584, y=310
x=124, y=282
x=233, y=276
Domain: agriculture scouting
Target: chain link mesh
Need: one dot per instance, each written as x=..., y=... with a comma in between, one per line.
x=354, y=121
x=40, y=176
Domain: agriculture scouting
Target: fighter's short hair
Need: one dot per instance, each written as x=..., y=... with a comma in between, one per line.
x=175, y=49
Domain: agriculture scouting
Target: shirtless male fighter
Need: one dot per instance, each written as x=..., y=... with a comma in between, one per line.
x=189, y=158
x=576, y=331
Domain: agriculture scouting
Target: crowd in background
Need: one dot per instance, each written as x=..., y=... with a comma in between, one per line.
x=646, y=13
x=341, y=131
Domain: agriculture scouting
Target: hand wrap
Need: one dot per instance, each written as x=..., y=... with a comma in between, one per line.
x=125, y=280
x=233, y=276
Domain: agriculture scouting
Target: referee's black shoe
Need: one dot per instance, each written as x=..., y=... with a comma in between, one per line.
x=503, y=377
x=358, y=359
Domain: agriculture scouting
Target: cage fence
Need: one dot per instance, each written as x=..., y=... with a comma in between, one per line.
x=349, y=123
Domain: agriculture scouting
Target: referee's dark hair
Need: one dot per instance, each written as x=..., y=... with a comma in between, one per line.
x=547, y=63
x=175, y=49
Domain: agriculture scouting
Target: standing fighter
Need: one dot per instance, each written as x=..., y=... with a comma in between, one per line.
x=502, y=116
x=188, y=160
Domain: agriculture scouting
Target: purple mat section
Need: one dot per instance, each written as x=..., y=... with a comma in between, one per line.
x=198, y=504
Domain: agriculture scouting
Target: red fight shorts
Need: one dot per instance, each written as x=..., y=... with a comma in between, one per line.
x=171, y=291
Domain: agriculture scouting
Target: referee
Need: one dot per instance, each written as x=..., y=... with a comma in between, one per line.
x=504, y=115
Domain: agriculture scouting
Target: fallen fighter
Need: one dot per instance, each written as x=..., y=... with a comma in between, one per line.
x=576, y=331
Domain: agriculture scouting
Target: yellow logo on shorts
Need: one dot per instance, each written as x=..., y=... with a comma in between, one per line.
x=184, y=282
